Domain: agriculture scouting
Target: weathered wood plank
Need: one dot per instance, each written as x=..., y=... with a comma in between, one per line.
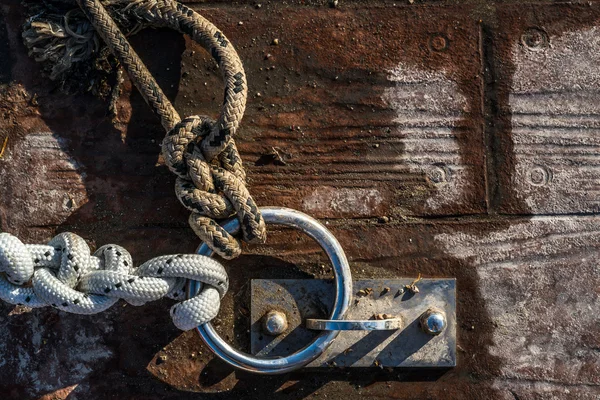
x=391, y=128
x=539, y=279
x=548, y=64
x=375, y=111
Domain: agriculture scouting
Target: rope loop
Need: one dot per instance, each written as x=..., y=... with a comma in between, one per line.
x=64, y=275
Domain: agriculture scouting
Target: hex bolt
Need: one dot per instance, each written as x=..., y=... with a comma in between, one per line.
x=433, y=321
x=274, y=323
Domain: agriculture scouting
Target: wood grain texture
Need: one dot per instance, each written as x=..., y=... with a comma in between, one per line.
x=386, y=126
x=549, y=99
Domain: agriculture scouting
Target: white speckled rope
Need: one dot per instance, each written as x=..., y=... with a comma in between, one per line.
x=64, y=275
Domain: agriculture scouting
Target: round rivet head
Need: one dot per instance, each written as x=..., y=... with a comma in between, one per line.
x=274, y=323
x=433, y=321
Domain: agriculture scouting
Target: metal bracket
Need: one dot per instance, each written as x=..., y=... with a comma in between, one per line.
x=427, y=337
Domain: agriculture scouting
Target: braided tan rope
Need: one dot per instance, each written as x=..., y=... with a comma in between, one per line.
x=201, y=152
x=141, y=77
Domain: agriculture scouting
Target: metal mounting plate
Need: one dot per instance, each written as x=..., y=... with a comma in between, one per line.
x=313, y=298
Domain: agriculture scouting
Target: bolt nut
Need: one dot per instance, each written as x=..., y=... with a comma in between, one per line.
x=274, y=323
x=433, y=321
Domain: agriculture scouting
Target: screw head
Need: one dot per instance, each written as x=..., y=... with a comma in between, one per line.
x=438, y=42
x=433, y=321
x=274, y=323
x=535, y=38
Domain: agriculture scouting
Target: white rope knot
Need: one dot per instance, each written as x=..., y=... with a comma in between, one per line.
x=213, y=189
x=64, y=275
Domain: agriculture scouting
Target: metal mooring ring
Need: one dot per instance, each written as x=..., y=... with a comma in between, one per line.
x=343, y=285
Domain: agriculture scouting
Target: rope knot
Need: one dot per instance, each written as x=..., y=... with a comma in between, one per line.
x=64, y=275
x=201, y=152
x=211, y=189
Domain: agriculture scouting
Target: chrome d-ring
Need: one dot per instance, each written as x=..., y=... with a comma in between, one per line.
x=343, y=285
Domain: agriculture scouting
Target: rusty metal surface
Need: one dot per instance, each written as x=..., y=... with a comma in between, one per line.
x=452, y=143
x=409, y=346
